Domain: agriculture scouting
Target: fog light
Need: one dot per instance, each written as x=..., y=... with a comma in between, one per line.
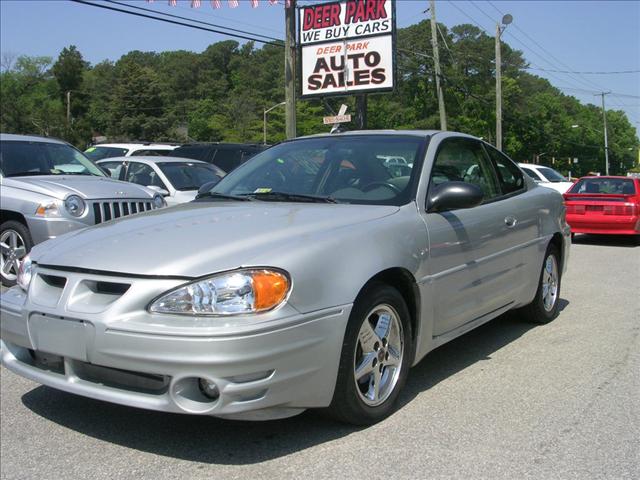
x=209, y=389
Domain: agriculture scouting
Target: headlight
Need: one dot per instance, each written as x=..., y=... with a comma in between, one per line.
x=25, y=273
x=158, y=201
x=74, y=205
x=241, y=291
x=48, y=209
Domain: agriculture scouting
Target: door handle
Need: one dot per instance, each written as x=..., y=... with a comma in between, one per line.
x=510, y=221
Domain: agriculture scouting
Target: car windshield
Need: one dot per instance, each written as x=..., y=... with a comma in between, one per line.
x=620, y=186
x=350, y=168
x=98, y=153
x=22, y=158
x=189, y=176
x=551, y=175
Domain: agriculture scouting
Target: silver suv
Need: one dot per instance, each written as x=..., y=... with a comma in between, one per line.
x=49, y=188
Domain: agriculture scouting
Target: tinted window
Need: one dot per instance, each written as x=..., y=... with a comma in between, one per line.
x=228, y=158
x=509, y=175
x=551, y=175
x=348, y=168
x=531, y=173
x=151, y=153
x=189, y=176
x=114, y=168
x=98, y=153
x=143, y=175
x=604, y=185
x=464, y=160
x=39, y=158
x=197, y=152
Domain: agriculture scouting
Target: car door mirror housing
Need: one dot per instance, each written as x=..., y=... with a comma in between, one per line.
x=205, y=187
x=453, y=195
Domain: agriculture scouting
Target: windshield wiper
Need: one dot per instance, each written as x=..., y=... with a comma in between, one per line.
x=292, y=197
x=26, y=174
x=221, y=196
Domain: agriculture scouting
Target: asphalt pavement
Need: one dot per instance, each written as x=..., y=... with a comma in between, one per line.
x=508, y=400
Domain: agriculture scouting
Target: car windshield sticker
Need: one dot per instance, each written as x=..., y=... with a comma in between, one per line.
x=262, y=190
x=89, y=150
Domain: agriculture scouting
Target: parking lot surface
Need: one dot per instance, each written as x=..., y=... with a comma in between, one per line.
x=508, y=400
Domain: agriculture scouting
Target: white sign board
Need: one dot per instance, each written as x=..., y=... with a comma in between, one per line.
x=336, y=119
x=347, y=47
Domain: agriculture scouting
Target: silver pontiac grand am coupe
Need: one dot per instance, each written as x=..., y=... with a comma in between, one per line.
x=313, y=276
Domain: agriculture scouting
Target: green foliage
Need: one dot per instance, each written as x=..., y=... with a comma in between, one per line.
x=221, y=94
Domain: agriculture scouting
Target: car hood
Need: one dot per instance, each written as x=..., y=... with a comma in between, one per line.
x=196, y=239
x=87, y=187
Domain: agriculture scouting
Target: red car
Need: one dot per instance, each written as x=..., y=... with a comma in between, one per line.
x=608, y=205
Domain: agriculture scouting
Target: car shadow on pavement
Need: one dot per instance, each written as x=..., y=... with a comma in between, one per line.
x=216, y=441
x=629, y=241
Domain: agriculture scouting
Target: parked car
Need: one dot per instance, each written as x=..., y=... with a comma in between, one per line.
x=607, y=205
x=49, y=188
x=227, y=156
x=546, y=176
x=310, y=277
x=109, y=150
x=176, y=179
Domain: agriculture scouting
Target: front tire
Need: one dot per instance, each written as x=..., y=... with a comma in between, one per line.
x=545, y=305
x=15, y=243
x=376, y=355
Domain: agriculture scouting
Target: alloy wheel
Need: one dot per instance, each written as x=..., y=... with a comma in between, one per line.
x=12, y=251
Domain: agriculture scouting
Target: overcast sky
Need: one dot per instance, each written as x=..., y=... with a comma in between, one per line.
x=601, y=36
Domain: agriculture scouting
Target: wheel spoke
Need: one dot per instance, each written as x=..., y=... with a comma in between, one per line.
x=20, y=252
x=6, y=249
x=383, y=326
x=375, y=379
x=13, y=239
x=367, y=337
x=6, y=267
x=394, y=357
x=365, y=367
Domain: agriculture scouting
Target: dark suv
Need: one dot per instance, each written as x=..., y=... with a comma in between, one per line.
x=226, y=156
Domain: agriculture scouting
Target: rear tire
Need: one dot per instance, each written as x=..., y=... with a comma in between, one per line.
x=377, y=352
x=545, y=306
x=15, y=244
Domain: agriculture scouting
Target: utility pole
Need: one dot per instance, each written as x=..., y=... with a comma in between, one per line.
x=361, y=111
x=290, y=69
x=68, y=107
x=436, y=59
x=506, y=20
x=606, y=140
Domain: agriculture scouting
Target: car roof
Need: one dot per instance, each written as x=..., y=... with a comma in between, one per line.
x=532, y=165
x=29, y=138
x=415, y=133
x=151, y=146
x=615, y=177
x=151, y=159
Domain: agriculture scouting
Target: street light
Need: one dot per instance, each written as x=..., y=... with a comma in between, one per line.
x=264, y=118
x=506, y=20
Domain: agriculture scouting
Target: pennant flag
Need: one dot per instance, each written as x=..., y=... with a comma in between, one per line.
x=254, y=3
x=195, y=4
x=216, y=4
x=273, y=2
x=233, y=3
x=287, y=3
x=173, y=3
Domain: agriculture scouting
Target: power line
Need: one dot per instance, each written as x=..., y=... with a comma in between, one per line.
x=166, y=20
x=585, y=73
x=193, y=20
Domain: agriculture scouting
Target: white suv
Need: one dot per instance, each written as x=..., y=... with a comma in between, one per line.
x=108, y=150
x=546, y=176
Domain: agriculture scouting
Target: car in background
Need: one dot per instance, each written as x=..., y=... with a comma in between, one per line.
x=604, y=205
x=109, y=150
x=311, y=277
x=227, y=156
x=546, y=176
x=177, y=179
x=48, y=189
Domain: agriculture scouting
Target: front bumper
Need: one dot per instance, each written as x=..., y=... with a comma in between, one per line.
x=270, y=369
x=42, y=228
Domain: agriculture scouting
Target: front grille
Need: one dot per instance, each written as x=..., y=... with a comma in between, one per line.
x=106, y=210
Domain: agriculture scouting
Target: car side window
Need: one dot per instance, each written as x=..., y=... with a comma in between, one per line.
x=530, y=173
x=114, y=168
x=463, y=160
x=150, y=153
x=509, y=175
x=143, y=175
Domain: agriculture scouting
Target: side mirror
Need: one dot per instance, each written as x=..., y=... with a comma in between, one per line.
x=160, y=190
x=205, y=187
x=454, y=195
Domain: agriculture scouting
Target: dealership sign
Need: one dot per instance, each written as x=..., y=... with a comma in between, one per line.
x=347, y=47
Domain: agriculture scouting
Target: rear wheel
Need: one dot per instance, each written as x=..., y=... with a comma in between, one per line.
x=545, y=306
x=376, y=356
x=15, y=243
